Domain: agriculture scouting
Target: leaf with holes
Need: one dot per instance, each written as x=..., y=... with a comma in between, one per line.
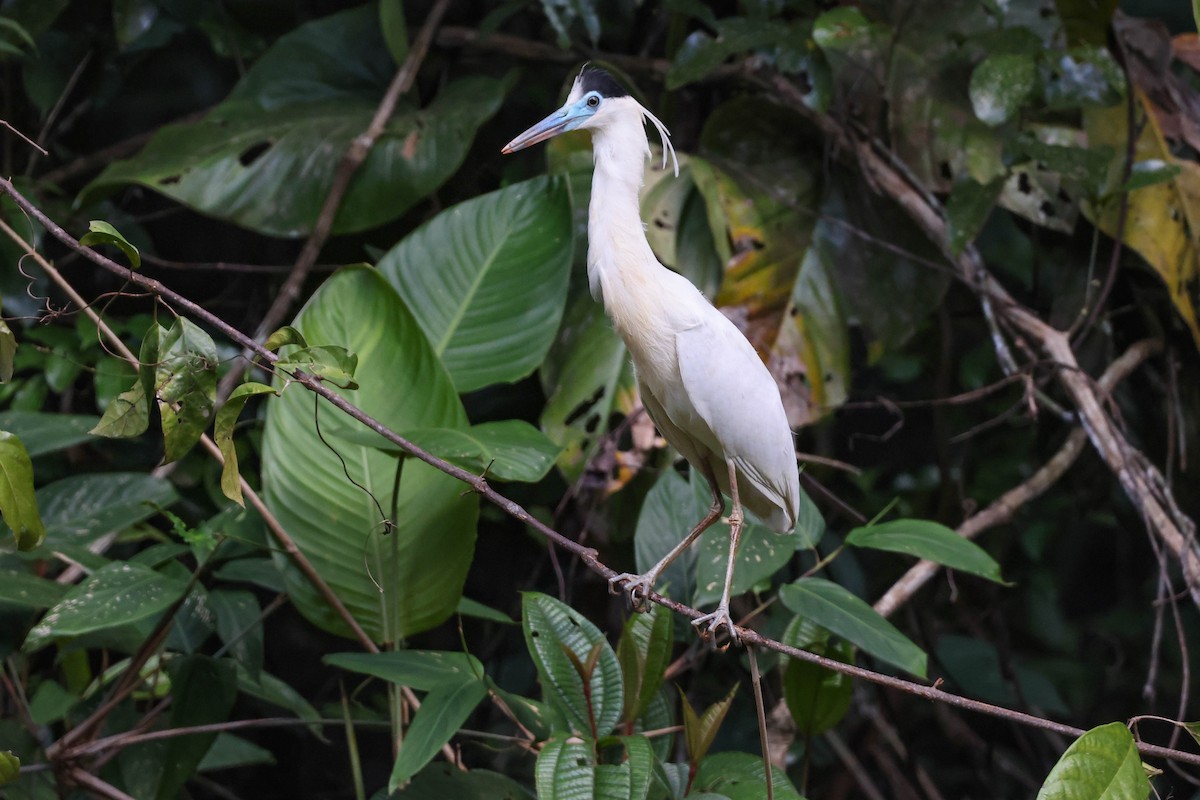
x=185, y=385
x=281, y=131
x=328, y=362
x=592, y=709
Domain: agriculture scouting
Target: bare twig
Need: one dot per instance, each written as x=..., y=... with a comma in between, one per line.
x=353, y=158
x=1007, y=504
x=587, y=555
x=23, y=137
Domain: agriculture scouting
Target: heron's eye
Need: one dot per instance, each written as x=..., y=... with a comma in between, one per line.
x=593, y=101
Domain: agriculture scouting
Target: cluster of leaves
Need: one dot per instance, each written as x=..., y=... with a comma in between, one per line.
x=472, y=335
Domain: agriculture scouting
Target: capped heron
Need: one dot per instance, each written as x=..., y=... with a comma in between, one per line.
x=701, y=381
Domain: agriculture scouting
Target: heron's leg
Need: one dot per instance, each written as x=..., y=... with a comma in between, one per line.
x=709, y=624
x=638, y=587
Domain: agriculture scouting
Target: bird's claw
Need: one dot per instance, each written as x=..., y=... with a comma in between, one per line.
x=636, y=589
x=709, y=625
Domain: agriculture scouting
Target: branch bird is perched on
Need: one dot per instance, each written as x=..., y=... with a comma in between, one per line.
x=702, y=383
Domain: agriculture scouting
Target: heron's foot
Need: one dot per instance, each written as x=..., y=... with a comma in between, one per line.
x=636, y=589
x=710, y=625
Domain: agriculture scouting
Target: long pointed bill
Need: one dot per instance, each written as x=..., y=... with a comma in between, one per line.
x=567, y=118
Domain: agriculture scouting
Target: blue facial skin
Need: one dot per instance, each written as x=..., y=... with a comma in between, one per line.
x=567, y=118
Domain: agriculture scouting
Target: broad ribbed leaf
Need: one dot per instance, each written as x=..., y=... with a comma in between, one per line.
x=740, y=776
x=836, y=609
x=565, y=771
x=1103, y=764
x=552, y=626
x=487, y=280
x=117, y=594
x=928, y=540
x=422, y=563
x=18, y=503
x=280, y=135
x=442, y=781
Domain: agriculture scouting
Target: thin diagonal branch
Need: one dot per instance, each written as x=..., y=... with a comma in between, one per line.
x=352, y=160
x=1004, y=507
x=586, y=554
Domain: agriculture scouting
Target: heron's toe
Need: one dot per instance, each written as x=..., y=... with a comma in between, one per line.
x=710, y=625
x=635, y=587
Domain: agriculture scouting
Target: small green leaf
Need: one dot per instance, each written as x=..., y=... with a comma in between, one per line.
x=968, y=208
x=10, y=767
x=424, y=670
x=128, y=415
x=700, y=730
x=1193, y=727
x=833, y=607
x=840, y=28
x=739, y=776
x=185, y=384
x=327, y=362
x=285, y=336
x=19, y=31
x=117, y=594
x=1102, y=764
x=1001, y=85
x=100, y=232
x=443, y=711
x=1150, y=172
x=18, y=503
x=8, y=351
x=818, y=697
x=643, y=652
x=551, y=625
x=473, y=608
x=928, y=540
x=508, y=450
x=394, y=28
x=231, y=484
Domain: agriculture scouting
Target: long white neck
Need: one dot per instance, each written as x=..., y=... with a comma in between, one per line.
x=617, y=246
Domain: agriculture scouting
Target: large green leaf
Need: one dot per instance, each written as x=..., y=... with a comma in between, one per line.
x=424, y=670
x=836, y=609
x=42, y=432
x=441, y=781
x=422, y=563
x=18, y=503
x=281, y=133
x=671, y=509
x=1103, y=764
x=487, y=280
x=24, y=590
x=81, y=508
x=554, y=629
x=587, y=376
x=117, y=594
x=443, y=711
x=928, y=540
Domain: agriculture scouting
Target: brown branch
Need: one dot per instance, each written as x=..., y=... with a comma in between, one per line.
x=587, y=555
x=1007, y=505
x=352, y=160
x=1142, y=482
x=96, y=786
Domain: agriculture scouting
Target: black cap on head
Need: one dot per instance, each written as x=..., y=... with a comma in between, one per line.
x=594, y=79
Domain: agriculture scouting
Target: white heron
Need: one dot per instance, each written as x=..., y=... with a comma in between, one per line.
x=701, y=381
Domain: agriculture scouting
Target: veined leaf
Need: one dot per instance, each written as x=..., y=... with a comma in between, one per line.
x=424, y=670
x=422, y=563
x=185, y=385
x=833, y=607
x=928, y=540
x=487, y=280
x=699, y=730
x=443, y=711
x=101, y=232
x=1103, y=764
x=231, y=484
